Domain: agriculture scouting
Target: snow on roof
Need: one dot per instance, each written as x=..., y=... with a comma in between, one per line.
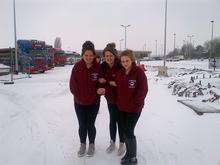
x=3, y=66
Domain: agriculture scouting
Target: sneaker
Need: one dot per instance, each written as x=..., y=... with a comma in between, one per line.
x=111, y=147
x=121, y=149
x=82, y=150
x=91, y=150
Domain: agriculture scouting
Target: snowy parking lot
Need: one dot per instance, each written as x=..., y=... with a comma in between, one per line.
x=38, y=124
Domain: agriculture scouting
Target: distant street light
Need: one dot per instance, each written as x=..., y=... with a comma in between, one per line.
x=162, y=71
x=190, y=38
x=165, y=36
x=185, y=47
x=190, y=43
x=15, y=39
x=211, y=43
x=212, y=47
x=125, y=27
x=174, y=41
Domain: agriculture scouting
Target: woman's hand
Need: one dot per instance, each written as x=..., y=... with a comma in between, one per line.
x=101, y=91
x=112, y=83
x=102, y=80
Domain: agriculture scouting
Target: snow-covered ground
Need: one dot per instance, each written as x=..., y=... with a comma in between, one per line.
x=205, y=88
x=188, y=64
x=38, y=126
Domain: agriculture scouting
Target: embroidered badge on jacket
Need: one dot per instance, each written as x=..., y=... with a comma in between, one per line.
x=94, y=76
x=131, y=83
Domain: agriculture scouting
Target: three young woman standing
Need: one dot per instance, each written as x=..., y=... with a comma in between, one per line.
x=124, y=86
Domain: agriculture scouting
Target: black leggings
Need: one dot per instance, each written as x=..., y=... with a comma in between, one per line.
x=114, y=122
x=86, y=115
x=128, y=121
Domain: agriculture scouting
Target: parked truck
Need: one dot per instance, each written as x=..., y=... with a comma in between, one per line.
x=32, y=56
x=60, y=57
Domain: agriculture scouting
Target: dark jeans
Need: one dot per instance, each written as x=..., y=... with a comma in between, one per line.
x=128, y=121
x=86, y=115
x=114, y=122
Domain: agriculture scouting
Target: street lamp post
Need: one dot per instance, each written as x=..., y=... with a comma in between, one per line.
x=162, y=71
x=190, y=44
x=190, y=38
x=174, y=41
x=211, y=43
x=211, y=47
x=125, y=27
x=165, y=35
x=15, y=39
x=185, y=48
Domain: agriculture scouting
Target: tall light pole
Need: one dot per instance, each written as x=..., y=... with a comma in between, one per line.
x=190, y=43
x=190, y=38
x=211, y=43
x=125, y=27
x=161, y=49
x=15, y=40
x=174, y=41
x=185, y=48
x=156, y=47
x=120, y=41
x=165, y=36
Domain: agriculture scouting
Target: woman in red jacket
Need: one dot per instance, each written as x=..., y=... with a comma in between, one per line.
x=132, y=89
x=83, y=85
x=109, y=69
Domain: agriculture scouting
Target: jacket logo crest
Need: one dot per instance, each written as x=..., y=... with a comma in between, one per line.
x=94, y=76
x=131, y=83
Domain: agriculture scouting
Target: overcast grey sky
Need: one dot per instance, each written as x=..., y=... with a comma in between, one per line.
x=99, y=21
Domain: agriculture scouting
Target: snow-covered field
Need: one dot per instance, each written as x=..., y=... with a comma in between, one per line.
x=203, y=90
x=38, y=126
x=188, y=64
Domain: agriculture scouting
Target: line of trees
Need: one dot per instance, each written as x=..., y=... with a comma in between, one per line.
x=208, y=49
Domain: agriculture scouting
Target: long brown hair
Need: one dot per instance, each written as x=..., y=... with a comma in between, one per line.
x=129, y=53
